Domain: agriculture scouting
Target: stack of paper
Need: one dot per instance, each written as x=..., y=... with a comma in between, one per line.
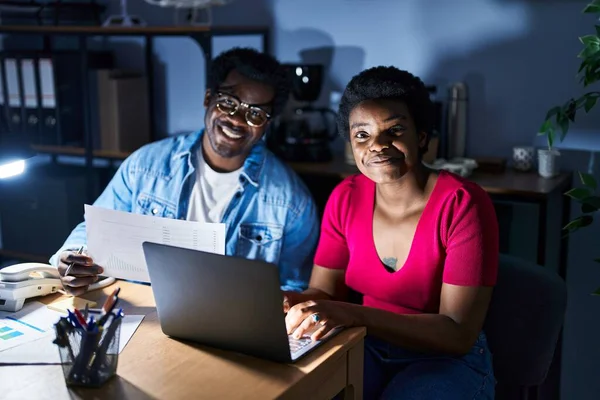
x=32, y=322
x=114, y=239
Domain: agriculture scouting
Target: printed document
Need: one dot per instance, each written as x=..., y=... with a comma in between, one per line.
x=28, y=324
x=26, y=337
x=115, y=239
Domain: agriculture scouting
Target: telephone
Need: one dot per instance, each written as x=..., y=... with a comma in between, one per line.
x=22, y=281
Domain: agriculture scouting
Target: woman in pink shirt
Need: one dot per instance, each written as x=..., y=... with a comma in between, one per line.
x=420, y=246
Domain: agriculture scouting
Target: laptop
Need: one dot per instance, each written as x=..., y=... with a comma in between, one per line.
x=226, y=302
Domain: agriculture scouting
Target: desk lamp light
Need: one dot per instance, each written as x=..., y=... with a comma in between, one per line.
x=13, y=153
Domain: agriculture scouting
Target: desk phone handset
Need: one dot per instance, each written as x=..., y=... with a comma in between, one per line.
x=22, y=281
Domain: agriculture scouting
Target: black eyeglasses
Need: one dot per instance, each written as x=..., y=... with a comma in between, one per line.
x=230, y=104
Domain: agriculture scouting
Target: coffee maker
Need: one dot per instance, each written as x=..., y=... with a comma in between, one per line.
x=303, y=133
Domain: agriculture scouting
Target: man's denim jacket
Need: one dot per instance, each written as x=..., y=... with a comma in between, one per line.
x=272, y=217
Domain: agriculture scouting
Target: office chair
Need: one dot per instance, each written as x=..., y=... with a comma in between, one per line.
x=523, y=324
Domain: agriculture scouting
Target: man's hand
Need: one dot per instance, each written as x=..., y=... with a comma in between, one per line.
x=83, y=273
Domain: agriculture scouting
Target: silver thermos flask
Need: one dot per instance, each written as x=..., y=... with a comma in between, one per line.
x=457, y=120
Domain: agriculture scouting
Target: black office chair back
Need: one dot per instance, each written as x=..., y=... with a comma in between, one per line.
x=524, y=321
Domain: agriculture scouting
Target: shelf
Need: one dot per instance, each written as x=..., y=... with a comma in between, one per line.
x=505, y=183
x=509, y=182
x=132, y=31
x=80, y=151
x=23, y=256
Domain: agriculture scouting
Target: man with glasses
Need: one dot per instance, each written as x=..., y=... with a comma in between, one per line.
x=223, y=173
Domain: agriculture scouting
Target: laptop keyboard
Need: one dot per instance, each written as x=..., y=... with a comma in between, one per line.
x=298, y=344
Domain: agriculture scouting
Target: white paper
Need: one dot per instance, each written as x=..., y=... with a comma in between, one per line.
x=42, y=351
x=32, y=322
x=114, y=239
x=129, y=325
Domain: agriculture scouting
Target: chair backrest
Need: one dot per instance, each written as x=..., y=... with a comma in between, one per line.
x=524, y=321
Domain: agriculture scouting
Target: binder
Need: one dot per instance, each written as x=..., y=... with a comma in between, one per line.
x=14, y=95
x=4, y=128
x=44, y=95
x=49, y=123
x=31, y=121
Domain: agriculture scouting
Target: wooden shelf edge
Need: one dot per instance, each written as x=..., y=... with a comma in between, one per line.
x=80, y=151
x=136, y=30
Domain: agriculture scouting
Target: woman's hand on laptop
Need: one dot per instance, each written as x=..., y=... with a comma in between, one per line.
x=77, y=272
x=319, y=317
x=290, y=298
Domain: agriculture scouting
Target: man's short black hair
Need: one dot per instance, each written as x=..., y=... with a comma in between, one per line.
x=254, y=65
x=388, y=83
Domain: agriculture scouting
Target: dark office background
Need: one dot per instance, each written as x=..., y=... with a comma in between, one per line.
x=518, y=58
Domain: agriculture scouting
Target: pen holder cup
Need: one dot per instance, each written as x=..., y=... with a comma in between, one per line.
x=90, y=358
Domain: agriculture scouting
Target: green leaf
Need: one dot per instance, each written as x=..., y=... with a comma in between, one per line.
x=587, y=81
x=579, y=222
x=563, y=121
x=590, y=39
x=578, y=193
x=545, y=126
x=588, y=180
x=553, y=111
x=571, y=110
x=596, y=292
x=588, y=209
x=591, y=47
x=597, y=29
x=597, y=260
x=592, y=202
x=590, y=102
x=592, y=8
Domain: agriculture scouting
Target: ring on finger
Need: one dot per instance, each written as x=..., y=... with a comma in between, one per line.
x=315, y=318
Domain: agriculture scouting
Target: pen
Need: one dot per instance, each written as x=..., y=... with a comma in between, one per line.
x=73, y=319
x=109, y=305
x=71, y=265
x=80, y=318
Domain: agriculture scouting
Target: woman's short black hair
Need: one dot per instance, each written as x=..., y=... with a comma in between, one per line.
x=253, y=65
x=388, y=83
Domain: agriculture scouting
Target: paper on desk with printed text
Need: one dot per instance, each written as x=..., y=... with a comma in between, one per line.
x=114, y=239
x=29, y=324
x=42, y=350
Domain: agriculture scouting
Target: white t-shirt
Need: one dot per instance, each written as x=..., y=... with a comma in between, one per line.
x=212, y=192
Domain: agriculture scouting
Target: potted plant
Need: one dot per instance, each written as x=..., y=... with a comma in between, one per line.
x=558, y=119
x=556, y=124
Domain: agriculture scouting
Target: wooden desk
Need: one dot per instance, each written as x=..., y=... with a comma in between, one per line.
x=153, y=366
